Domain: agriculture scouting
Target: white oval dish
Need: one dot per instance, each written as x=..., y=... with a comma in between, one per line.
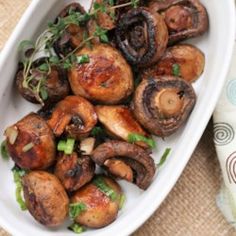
x=217, y=45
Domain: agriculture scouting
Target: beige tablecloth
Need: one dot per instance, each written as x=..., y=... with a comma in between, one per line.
x=190, y=208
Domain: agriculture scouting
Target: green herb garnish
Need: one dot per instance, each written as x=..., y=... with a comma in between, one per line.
x=27, y=147
x=4, y=151
x=66, y=146
x=18, y=174
x=122, y=201
x=83, y=59
x=176, y=69
x=76, y=228
x=133, y=138
x=107, y=190
x=97, y=132
x=76, y=209
x=164, y=157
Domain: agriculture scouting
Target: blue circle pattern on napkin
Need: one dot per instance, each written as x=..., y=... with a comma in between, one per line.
x=231, y=91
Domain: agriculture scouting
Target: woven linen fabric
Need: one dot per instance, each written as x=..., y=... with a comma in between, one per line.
x=190, y=208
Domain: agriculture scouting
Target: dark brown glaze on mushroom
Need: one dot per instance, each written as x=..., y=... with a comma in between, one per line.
x=73, y=35
x=141, y=36
x=184, y=18
x=74, y=116
x=31, y=143
x=119, y=122
x=162, y=104
x=189, y=60
x=126, y=161
x=101, y=210
x=55, y=83
x=107, y=78
x=74, y=171
x=45, y=198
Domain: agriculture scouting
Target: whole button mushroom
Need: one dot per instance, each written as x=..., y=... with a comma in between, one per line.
x=45, y=198
x=31, y=143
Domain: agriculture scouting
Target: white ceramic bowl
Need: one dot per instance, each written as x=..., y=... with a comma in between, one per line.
x=217, y=45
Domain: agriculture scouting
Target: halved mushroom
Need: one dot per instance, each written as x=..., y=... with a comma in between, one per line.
x=74, y=116
x=185, y=61
x=101, y=199
x=31, y=143
x=142, y=36
x=184, y=18
x=74, y=34
x=74, y=171
x=107, y=78
x=126, y=161
x=119, y=122
x=162, y=104
x=53, y=81
x=45, y=198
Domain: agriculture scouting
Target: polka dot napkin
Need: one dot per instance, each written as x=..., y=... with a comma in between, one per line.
x=225, y=142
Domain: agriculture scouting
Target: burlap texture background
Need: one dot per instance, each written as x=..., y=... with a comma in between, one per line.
x=190, y=208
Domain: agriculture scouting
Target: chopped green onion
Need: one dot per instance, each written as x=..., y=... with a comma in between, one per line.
x=76, y=228
x=122, y=201
x=66, y=146
x=164, y=157
x=76, y=209
x=97, y=131
x=107, y=190
x=27, y=147
x=176, y=69
x=4, y=151
x=18, y=174
x=83, y=59
x=133, y=138
x=11, y=133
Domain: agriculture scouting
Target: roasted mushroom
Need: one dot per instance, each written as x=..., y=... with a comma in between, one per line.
x=106, y=78
x=119, y=122
x=126, y=161
x=185, y=61
x=101, y=199
x=31, y=143
x=162, y=104
x=74, y=171
x=184, y=18
x=45, y=198
x=74, y=116
x=142, y=36
x=74, y=33
x=51, y=79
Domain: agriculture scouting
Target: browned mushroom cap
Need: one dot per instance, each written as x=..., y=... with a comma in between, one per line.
x=30, y=143
x=126, y=161
x=45, y=198
x=189, y=60
x=107, y=78
x=100, y=209
x=74, y=171
x=141, y=36
x=163, y=104
x=119, y=122
x=184, y=18
x=74, y=116
x=55, y=83
x=73, y=35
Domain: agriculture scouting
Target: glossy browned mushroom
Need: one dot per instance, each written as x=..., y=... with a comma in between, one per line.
x=142, y=36
x=101, y=206
x=119, y=122
x=45, y=198
x=126, y=161
x=53, y=81
x=185, y=61
x=74, y=116
x=184, y=18
x=74, y=34
x=107, y=78
x=31, y=143
x=74, y=171
x=162, y=104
